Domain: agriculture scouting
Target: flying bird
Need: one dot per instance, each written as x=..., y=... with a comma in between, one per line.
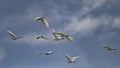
x=14, y=37
x=71, y=59
x=109, y=47
x=47, y=53
x=44, y=37
x=62, y=35
x=57, y=36
x=43, y=20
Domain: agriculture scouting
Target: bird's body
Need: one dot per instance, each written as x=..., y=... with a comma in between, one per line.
x=44, y=37
x=46, y=53
x=14, y=37
x=43, y=20
x=49, y=52
x=71, y=59
x=108, y=47
x=57, y=36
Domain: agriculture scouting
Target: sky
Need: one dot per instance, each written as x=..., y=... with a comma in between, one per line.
x=91, y=23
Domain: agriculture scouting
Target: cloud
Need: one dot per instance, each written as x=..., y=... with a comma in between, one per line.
x=89, y=24
x=88, y=6
x=83, y=26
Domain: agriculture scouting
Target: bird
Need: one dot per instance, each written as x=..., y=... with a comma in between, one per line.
x=14, y=37
x=71, y=59
x=43, y=20
x=108, y=47
x=47, y=53
x=44, y=37
x=60, y=35
x=57, y=36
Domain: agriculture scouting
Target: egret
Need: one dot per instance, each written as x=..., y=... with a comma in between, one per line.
x=62, y=35
x=47, y=53
x=71, y=59
x=43, y=20
x=44, y=37
x=57, y=37
x=14, y=37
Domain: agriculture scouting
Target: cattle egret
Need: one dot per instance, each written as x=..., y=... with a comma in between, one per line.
x=44, y=37
x=108, y=47
x=71, y=59
x=57, y=37
x=62, y=35
x=46, y=53
x=14, y=37
x=43, y=20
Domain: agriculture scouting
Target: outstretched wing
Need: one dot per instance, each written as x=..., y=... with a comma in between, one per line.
x=12, y=34
x=68, y=57
x=68, y=37
x=44, y=21
x=37, y=18
x=75, y=57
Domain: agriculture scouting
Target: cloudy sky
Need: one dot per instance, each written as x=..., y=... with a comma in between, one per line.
x=90, y=22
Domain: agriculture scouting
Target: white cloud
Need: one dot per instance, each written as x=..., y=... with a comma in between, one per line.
x=116, y=22
x=83, y=26
x=89, y=24
x=89, y=5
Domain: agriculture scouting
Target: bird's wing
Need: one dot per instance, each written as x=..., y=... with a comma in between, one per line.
x=68, y=57
x=45, y=37
x=44, y=21
x=68, y=37
x=53, y=31
x=75, y=57
x=60, y=34
x=12, y=34
x=105, y=46
x=37, y=18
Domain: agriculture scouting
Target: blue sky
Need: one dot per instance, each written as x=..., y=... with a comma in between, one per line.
x=90, y=22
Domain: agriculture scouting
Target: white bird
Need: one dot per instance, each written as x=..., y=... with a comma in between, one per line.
x=14, y=37
x=47, y=53
x=44, y=37
x=108, y=47
x=71, y=59
x=57, y=36
x=43, y=20
x=62, y=35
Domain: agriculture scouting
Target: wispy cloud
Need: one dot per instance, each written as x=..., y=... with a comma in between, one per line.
x=89, y=24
